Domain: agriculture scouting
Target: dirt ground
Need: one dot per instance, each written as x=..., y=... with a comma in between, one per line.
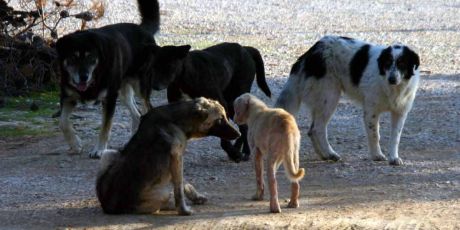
x=43, y=187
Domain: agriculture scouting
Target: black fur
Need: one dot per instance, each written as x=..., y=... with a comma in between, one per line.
x=149, y=10
x=221, y=72
x=313, y=62
x=410, y=61
x=146, y=158
x=385, y=60
x=358, y=64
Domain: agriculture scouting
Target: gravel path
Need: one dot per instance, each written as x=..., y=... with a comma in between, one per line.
x=43, y=187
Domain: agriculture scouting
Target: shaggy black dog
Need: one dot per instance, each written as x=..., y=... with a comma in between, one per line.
x=97, y=64
x=137, y=179
x=221, y=72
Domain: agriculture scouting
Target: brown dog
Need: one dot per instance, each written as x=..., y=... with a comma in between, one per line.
x=137, y=179
x=272, y=132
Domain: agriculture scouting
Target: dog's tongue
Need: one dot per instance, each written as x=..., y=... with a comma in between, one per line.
x=82, y=86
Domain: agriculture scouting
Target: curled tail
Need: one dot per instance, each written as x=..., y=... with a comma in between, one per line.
x=150, y=14
x=260, y=71
x=291, y=162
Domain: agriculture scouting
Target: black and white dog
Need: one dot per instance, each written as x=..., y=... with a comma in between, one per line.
x=379, y=78
x=100, y=64
x=221, y=72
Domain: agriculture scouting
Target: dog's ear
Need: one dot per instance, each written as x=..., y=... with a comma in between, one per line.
x=199, y=112
x=385, y=60
x=412, y=60
x=200, y=115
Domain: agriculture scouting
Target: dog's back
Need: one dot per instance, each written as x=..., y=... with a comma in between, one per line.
x=141, y=164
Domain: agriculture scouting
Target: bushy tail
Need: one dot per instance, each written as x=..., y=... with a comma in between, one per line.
x=260, y=71
x=291, y=164
x=291, y=96
x=150, y=14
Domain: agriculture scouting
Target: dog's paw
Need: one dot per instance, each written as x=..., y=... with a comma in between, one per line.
x=332, y=157
x=185, y=211
x=236, y=157
x=379, y=157
x=396, y=161
x=275, y=208
x=200, y=199
x=257, y=197
x=245, y=157
x=75, y=150
x=96, y=154
x=293, y=204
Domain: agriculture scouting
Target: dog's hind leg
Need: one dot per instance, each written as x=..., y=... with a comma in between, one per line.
x=259, y=168
x=107, y=158
x=65, y=125
x=397, y=124
x=108, y=107
x=127, y=97
x=323, y=104
x=193, y=195
x=273, y=165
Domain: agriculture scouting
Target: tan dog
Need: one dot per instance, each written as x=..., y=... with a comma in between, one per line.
x=272, y=132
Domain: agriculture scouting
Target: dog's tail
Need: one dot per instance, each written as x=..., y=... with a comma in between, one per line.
x=291, y=162
x=291, y=96
x=260, y=71
x=150, y=14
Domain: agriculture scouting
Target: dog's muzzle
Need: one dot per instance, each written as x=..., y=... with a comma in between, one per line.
x=224, y=130
x=392, y=80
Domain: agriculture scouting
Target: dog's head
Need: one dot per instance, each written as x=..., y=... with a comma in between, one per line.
x=79, y=56
x=212, y=120
x=164, y=64
x=242, y=105
x=398, y=63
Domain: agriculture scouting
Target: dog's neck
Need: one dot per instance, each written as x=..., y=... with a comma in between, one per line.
x=255, y=111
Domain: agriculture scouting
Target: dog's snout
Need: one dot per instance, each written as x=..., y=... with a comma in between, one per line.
x=84, y=76
x=224, y=130
x=392, y=80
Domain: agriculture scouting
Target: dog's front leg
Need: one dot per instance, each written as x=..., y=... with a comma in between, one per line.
x=66, y=126
x=127, y=97
x=371, y=123
x=397, y=124
x=108, y=107
x=176, y=168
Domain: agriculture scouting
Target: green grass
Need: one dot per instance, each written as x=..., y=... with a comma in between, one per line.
x=37, y=123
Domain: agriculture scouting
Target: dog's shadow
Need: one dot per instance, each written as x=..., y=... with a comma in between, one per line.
x=93, y=217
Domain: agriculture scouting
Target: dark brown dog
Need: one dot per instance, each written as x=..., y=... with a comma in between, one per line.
x=137, y=179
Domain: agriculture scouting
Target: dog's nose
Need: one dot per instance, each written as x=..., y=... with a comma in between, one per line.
x=84, y=76
x=392, y=80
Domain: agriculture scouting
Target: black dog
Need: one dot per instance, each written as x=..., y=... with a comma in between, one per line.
x=136, y=179
x=98, y=64
x=221, y=72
